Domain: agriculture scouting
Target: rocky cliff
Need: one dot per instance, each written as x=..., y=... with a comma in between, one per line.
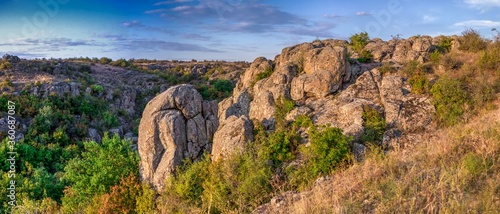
x=319, y=77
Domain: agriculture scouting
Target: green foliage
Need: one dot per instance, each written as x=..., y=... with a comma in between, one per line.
x=187, y=184
x=225, y=86
x=374, y=124
x=358, y=41
x=490, y=58
x=329, y=149
x=110, y=119
x=435, y=56
x=444, y=45
x=283, y=107
x=472, y=41
x=238, y=184
x=105, y=60
x=365, y=56
x=280, y=146
x=98, y=168
x=145, y=203
x=5, y=65
x=218, y=89
x=416, y=73
x=97, y=88
x=267, y=73
x=449, y=97
x=121, y=63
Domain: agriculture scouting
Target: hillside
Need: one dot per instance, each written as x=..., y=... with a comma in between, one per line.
x=330, y=126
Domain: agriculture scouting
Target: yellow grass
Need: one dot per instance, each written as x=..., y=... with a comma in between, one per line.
x=453, y=170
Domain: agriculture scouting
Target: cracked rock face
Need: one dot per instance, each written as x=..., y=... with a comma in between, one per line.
x=175, y=125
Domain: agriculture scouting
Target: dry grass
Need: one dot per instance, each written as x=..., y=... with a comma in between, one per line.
x=454, y=170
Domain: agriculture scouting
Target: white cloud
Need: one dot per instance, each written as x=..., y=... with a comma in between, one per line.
x=362, y=13
x=429, y=18
x=483, y=4
x=479, y=23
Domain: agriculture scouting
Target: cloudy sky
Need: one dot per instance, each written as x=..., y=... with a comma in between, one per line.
x=221, y=29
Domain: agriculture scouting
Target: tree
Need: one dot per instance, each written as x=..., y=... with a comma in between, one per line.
x=99, y=168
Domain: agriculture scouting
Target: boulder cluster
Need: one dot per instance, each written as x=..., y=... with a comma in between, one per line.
x=317, y=76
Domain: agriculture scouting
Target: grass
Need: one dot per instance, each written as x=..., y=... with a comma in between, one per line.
x=455, y=170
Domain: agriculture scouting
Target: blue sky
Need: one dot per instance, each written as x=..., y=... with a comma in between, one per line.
x=221, y=29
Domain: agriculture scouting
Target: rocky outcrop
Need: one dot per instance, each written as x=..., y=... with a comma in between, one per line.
x=403, y=50
x=325, y=86
x=176, y=124
x=232, y=137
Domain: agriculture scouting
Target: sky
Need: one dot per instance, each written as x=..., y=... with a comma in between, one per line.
x=232, y=30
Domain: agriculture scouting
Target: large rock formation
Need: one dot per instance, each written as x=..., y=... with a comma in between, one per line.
x=175, y=125
x=322, y=82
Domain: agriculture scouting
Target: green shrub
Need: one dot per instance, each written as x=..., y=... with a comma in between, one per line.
x=365, y=56
x=472, y=41
x=109, y=119
x=374, y=124
x=237, y=185
x=99, y=168
x=267, y=73
x=5, y=65
x=328, y=149
x=121, y=63
x=449, y=97
x=418, y=83
x=358, y=41
x=435, y=56
x=105, y=60
x=97, y=88
x=280, y=146
x=187, y=184
x=416, y=76
x=444, y=45
x=283, y=107
x=490, y=58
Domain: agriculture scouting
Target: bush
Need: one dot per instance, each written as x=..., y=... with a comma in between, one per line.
x=283, y=107
x=365, y=56
x=435, y=56
x=444, y=45
x=187, y=184
x=490, y=58
x=359, y=41
x=237, y=185
x=122, y=197
x=99, y=168
x=472, y=41
x=416, y=76
x=449, y=97
x=374, y=124
x=329, y=149
x=109, y=119
x=97, y=88
x=280, y=146
x=5, y=65
x=105, y=60
x=267, y=73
